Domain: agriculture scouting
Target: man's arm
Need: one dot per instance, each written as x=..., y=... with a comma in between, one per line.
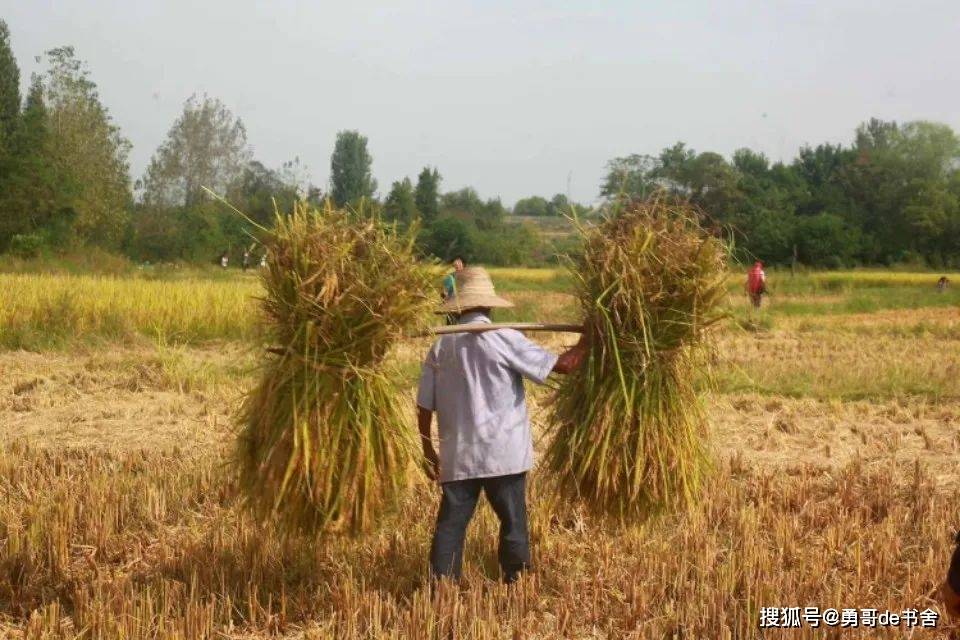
x=572, y=358
x=424, y=422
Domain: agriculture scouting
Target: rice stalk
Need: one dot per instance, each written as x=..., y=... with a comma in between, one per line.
x=324, y=443
x=628, y=432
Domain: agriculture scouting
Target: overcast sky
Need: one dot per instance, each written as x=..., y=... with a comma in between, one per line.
x=513, y=98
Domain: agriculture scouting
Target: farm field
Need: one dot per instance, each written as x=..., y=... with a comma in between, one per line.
x=835, y=421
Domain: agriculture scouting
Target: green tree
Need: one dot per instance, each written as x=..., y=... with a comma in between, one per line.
x=822, y=170
x=87, y=146
x=633, y=176
x=9, y=90
x=706, y=179
x=560, y=205
x=350, y=169
x=205, y=147
x=509, y=245
x=450, y=237
x=491, y=215
x=35, y=197
x=259, y=192
x=427, y=194
x=401, y=205
x=825, y=240
x=466, y=203
x=533, y=206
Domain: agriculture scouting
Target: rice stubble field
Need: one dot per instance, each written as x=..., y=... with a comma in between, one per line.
x=835, y=427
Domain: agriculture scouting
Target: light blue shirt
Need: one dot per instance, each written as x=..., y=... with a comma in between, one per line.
x=474, y=383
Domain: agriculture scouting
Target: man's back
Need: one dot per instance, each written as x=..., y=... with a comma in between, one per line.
x=474, y=383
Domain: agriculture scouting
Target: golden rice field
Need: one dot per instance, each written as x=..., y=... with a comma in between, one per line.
x=835, y=426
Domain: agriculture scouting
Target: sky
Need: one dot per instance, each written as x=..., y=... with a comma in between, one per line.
x=513, y=98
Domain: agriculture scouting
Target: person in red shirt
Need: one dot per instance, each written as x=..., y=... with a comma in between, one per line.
x=756, y=284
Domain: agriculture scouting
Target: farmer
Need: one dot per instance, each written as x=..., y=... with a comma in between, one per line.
x=450, y=280
x=246, y=259
x=756, y=284
x=942, y=284
x=474, y=383
x=224, y=260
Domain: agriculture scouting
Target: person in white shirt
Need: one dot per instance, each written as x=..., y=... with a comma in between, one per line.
x=474, y=383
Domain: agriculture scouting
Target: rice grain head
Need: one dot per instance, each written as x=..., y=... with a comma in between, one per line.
x=628, y=432
x=324, y=444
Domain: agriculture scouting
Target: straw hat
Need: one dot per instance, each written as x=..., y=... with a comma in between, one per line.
x=473, y=289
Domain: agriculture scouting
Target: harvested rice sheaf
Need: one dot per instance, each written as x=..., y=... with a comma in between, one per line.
x=628, y=430
x=324, y=442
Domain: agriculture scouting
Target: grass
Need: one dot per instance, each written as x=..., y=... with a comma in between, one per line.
x=835, y=438
x=154, y=545
x=201, y=306
x=49, y=311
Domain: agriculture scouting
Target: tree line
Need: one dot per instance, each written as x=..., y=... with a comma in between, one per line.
x=892, y=195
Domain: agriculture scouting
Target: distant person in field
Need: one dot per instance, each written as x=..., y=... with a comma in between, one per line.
x=245, y=263
x=942, y=284
x=474, y=383
x=450, y=280
x=450, y=286
x=756, y=284
x=263, y=260
x=224, y=260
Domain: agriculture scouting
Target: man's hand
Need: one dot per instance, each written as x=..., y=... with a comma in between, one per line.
x=431, y=462
x=573, y=357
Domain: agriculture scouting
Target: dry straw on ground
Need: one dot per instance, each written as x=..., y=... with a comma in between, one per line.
x=628, y=427
x=325, y=443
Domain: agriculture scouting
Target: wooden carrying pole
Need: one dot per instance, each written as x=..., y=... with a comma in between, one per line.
x=519, y=326
x=478, y=328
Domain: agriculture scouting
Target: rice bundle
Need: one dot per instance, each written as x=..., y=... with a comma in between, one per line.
x=628, y=428
x=324, y=443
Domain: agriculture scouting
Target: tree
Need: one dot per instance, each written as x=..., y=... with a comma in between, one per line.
x=466, y=203
x=350, y=169
x=633, y=176
x=427, y=194
x=35, y=196
x=560, y=205
x=491, y=215
x=260, y=192
x=825, y=240
x=749, y=162
x=512, y=244
x=706, y=179
x=675, y=168
x=822, y=170
x=88, y=150
x=205, y=147
x=9, y=90
x=401, y=205
x=451, y=237
x=533, y=206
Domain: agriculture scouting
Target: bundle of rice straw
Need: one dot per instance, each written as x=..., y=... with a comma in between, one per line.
x=324, y=443
x=628, y=428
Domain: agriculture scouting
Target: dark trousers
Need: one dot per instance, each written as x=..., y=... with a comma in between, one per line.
x=507, y=496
